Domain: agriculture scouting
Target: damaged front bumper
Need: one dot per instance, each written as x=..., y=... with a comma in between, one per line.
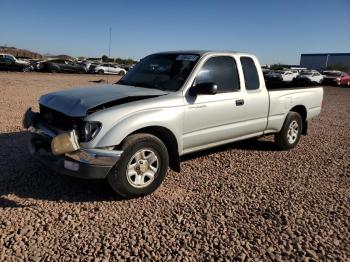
x=82, y=163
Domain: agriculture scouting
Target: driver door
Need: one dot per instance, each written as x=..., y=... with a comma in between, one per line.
x=209, y=118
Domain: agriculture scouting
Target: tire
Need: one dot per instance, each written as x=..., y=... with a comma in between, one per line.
x=53, y=70
x=142, y=178
x=101, y=72
x=121, y=73
x=290, y=133
x=26, y=69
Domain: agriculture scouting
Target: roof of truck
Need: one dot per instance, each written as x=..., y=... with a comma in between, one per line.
x=202, y=52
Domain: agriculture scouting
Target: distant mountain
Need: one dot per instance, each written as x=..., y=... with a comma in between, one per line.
x=48, y=55
x=23, y=53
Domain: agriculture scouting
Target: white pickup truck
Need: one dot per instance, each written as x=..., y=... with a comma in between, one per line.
x=168, y=105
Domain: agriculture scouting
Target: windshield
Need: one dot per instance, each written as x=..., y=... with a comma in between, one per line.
x=161, y=71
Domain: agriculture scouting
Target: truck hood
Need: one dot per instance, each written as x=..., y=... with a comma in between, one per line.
x=79, y=102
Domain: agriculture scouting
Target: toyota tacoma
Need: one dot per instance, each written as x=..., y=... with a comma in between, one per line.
x=170, y=104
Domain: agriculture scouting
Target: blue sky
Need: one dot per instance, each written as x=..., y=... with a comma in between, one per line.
x=276, y=31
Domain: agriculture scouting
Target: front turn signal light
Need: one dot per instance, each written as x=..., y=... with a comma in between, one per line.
x=65, y=143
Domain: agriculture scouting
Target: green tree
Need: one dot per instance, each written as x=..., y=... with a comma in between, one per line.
x=277, y=66
x=104, y=58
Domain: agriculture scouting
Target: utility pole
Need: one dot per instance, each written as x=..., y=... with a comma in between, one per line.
x=110, y=40
x=109, y=46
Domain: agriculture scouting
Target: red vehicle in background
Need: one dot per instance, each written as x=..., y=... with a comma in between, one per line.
x=345, y=81
x=333, y=77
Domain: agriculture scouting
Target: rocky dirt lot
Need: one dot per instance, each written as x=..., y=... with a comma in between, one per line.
x=245, y=201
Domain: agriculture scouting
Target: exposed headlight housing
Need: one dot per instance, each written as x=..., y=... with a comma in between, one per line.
x=90, y=131
x=64, y=143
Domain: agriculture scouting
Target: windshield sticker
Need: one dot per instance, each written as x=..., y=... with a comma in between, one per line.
x=187, y=57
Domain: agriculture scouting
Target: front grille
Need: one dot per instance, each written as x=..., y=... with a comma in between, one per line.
x=60, y=120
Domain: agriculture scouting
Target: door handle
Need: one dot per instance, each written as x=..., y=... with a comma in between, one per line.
x=240, y=102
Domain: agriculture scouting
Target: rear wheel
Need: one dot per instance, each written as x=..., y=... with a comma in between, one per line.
x=53, y=70
x=141, y=168
x=121, y=73
x=101, y=72
x=290, y=133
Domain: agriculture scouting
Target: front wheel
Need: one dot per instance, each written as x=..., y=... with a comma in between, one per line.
x=141, y=168
x=101, y=72
x=290, y=133
x=121, y=73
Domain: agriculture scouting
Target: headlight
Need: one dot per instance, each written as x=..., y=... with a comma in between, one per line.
x=90, y=131
x=64, y=143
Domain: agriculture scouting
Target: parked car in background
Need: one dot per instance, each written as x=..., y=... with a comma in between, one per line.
x=89, y=65
x=35, y=63
x=266, y=71
x=10, y=63
x=298, y=69
x=310, y=76
x=333, y=77
x=345, y=81
x=295, y=73
x=61, y=66
x=92, y=67
x=109, y=69
x=126, y=67
x=280, y=76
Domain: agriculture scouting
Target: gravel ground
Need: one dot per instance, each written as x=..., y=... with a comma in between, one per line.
x=245, y=201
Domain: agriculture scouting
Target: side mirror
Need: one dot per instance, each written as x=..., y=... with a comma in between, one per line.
x=204, y=89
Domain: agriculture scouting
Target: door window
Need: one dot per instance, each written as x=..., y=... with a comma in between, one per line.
x=222, y=71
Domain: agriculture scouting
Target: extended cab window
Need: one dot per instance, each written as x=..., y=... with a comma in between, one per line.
x=250, y=72
x=221, y=70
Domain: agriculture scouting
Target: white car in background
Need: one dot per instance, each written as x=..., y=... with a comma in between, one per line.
x=311, y=76
x=109, y=69
x=298, y=69
x=280, y=75
x=295, y=72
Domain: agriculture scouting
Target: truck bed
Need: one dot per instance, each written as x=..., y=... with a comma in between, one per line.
x=278, y=86
x=284, y=97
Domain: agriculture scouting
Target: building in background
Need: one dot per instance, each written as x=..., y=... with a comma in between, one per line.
x=325, y=61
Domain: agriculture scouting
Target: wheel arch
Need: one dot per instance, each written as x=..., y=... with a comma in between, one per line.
x=301, y=110
x=169, y=140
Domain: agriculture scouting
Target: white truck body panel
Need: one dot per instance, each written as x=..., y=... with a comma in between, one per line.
x=210, y=120
x=207, y=120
